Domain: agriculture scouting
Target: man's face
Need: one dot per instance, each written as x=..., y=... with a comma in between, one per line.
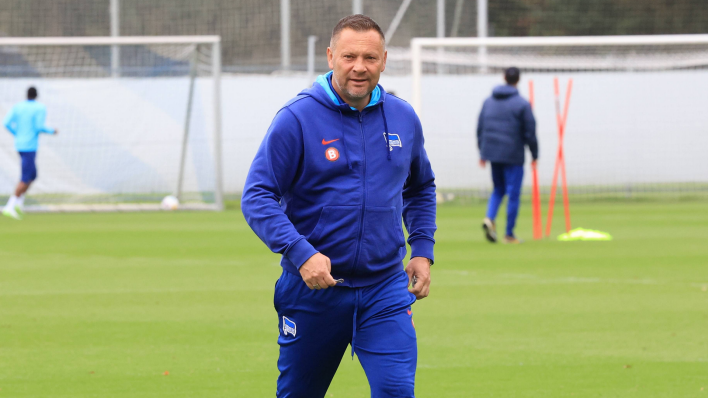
x=357, y=59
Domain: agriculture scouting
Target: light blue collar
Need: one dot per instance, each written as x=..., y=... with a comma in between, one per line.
x=326, y=82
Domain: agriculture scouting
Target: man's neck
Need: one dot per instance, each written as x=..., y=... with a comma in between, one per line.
x=358, y=104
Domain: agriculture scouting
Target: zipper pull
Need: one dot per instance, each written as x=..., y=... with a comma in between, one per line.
x=360, y=117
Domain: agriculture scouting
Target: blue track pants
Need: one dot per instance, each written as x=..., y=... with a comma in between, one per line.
x=507, y=179
x=316, y=326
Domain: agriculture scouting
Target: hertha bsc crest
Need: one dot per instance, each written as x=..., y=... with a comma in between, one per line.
x=394, y=140
x=289, y=327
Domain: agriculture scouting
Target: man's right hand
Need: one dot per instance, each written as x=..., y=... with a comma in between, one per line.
x=482, y=163
x=316, y=272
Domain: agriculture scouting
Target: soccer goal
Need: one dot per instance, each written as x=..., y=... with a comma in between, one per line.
x=139, y=118
x=636, y=121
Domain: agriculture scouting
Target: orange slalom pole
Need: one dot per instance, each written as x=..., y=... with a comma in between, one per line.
x=552, y=199
x=535, y=193
x=566, y=200
x=561, y=119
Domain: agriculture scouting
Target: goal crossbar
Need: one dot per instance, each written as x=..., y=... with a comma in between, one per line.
x=107, y=40
x=559, y=41
x=417, y=44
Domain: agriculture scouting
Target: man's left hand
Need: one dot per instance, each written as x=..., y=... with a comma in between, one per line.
x=419, y=267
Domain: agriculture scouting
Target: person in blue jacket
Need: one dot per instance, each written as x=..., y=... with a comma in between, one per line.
x=25, y=121
x=341, y=164
x=506, y=126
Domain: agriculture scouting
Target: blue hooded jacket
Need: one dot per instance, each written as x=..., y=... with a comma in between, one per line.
x=330, y=179
x=506, y=124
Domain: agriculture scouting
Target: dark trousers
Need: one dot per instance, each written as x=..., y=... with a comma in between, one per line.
x=316, y=326
x=507, y=179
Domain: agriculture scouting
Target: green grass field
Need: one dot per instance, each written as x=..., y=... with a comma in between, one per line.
x=102, y=305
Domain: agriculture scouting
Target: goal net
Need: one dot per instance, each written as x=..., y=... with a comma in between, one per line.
x=138, y=118
x=636, y=121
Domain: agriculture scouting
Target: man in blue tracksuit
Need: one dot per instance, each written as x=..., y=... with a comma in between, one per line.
x=25, y=121
x=506, y=126
x=339, y=167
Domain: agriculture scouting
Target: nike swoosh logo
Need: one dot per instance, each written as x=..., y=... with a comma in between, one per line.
x=328, y=142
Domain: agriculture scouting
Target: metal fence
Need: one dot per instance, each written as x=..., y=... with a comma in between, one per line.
x=253, y=41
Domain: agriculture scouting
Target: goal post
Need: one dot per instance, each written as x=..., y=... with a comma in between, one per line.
x=130, y=132
x=635, y=126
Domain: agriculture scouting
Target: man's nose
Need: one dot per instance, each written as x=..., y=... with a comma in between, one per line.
x=359, y=66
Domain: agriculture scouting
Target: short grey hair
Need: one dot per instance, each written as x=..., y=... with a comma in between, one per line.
x=358, y=23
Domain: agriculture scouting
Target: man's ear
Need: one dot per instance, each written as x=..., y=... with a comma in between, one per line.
x=383, y=67
x=330, y=58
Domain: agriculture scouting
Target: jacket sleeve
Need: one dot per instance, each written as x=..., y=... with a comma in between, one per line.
x=419, y=206
x=39, y=119
x=530, y=131
x=9, y=122
x=271, y=175
x=480, y=126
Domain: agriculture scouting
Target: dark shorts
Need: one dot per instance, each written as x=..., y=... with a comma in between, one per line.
x=29, y=168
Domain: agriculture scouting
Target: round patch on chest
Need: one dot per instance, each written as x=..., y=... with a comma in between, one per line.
x=332, y=154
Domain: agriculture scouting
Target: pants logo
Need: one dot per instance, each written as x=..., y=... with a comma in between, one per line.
x=289, y=327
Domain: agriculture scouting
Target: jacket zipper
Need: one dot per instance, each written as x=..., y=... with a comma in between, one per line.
x=363, y=206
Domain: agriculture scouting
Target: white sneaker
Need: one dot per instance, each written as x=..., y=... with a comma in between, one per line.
x=490, y=230
x=11, y=213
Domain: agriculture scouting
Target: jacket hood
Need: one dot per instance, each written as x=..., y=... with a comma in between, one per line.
x=322, y=91
x=504, y=91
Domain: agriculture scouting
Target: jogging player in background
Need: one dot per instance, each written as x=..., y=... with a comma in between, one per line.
x=339, y=167
x=506, y=126
x=25, y=121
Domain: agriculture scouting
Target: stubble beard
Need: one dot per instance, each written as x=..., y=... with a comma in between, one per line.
x=343, y=88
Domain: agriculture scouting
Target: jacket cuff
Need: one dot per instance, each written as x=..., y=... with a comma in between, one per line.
x=422, y=248
x=300, y=252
